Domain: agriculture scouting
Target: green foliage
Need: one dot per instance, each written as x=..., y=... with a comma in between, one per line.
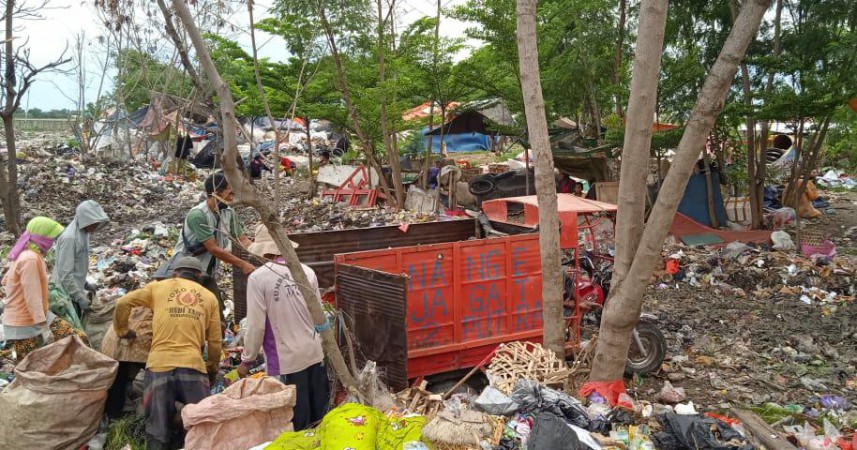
x=841, y=150
x=577, y=44
x=36, y=113
x=129, y=430
x=143, y=73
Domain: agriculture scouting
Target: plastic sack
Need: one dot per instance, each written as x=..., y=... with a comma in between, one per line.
x=697, y=432
x=494, y=402
x=671, y=395
x=98, y=320
x=782, y=241
x=826, y=249
x=551, y=433
x=612, y=391
x=57, y=398
x=468, y=428
x=533, y=396
x=131, y=350
x=221, y=421
x=296, y=440
x=395, y=432
x=351, y=426
x=782, y=217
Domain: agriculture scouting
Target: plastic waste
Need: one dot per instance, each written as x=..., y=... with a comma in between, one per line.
x=551, y=432
x=414, y=445
x=671, y=395
x=782, y=241
x=494, y=402
x=834, y=402
x=680, y=432
x=734, y=249
x=533, y=396
x=685, y=409
x=585, y=438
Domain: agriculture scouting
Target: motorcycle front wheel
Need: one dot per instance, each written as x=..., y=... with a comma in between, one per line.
x=655, y=346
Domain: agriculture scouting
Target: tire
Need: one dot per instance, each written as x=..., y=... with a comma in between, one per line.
x=473, y=386
x=656, y=346
x=481, y=186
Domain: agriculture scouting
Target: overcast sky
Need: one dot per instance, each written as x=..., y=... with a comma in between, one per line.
x=67, y=18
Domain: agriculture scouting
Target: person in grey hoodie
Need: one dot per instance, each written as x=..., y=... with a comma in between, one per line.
x=72, y=254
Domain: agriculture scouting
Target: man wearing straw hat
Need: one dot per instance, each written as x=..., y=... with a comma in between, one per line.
x=279, y=322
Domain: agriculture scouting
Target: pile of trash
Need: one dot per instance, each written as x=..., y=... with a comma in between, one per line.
x=308, y=216
x=820, y=278
x=535, y=415
x=833, y=178
x=129, y=191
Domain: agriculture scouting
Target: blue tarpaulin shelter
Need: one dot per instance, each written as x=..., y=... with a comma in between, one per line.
x=694, y=204
x=462, y=142
x=472, y=127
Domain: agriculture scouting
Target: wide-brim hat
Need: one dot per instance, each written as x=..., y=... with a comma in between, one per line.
x=263, y=244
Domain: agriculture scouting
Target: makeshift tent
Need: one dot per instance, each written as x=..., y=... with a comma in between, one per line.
x=113, y=130
x=205, y=158
x=694, y=203
x=473, y=127
x=461, y=142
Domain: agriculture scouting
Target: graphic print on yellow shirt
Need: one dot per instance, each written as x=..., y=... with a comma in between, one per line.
x=185, y=317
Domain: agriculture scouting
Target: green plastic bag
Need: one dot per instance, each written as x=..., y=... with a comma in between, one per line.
x=296, y=440
x=61, y=305
x=350, y=426
x=395, y=432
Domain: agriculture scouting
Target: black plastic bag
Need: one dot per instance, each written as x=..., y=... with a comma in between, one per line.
x=552, y=433
x=683, y=432
x=534, y=397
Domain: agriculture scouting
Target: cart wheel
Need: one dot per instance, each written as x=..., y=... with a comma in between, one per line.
x=656, y=349
x=470, y=387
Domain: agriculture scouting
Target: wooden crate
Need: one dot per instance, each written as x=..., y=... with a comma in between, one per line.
x=607, y=192
x=469, y=173
x=498, y=168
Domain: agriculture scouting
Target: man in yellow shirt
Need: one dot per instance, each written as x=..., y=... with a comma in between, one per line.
x=185, y=318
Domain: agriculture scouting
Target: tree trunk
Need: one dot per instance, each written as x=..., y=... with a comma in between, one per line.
x=247, y=194
x=170, y=28
x=309, y=156
x=264, y=97
x=342, y=84
x=429, y=144
x=537, y=127
x=753, y=181
x=709, y=187
x=617, y=63
x=11, y=202
x=626, y=300
x=395, y=165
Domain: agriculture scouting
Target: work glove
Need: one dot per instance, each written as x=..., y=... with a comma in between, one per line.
x=47, y=336
x=90, y=287
x=83, y=303
x=130, y=334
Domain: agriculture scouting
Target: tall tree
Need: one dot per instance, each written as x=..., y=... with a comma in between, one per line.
x=344, y=25
x=626, y=298
x=537, y=126
x=246, y=193
x=18, y=76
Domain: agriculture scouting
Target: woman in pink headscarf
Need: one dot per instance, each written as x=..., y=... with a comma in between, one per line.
x=27, y=321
